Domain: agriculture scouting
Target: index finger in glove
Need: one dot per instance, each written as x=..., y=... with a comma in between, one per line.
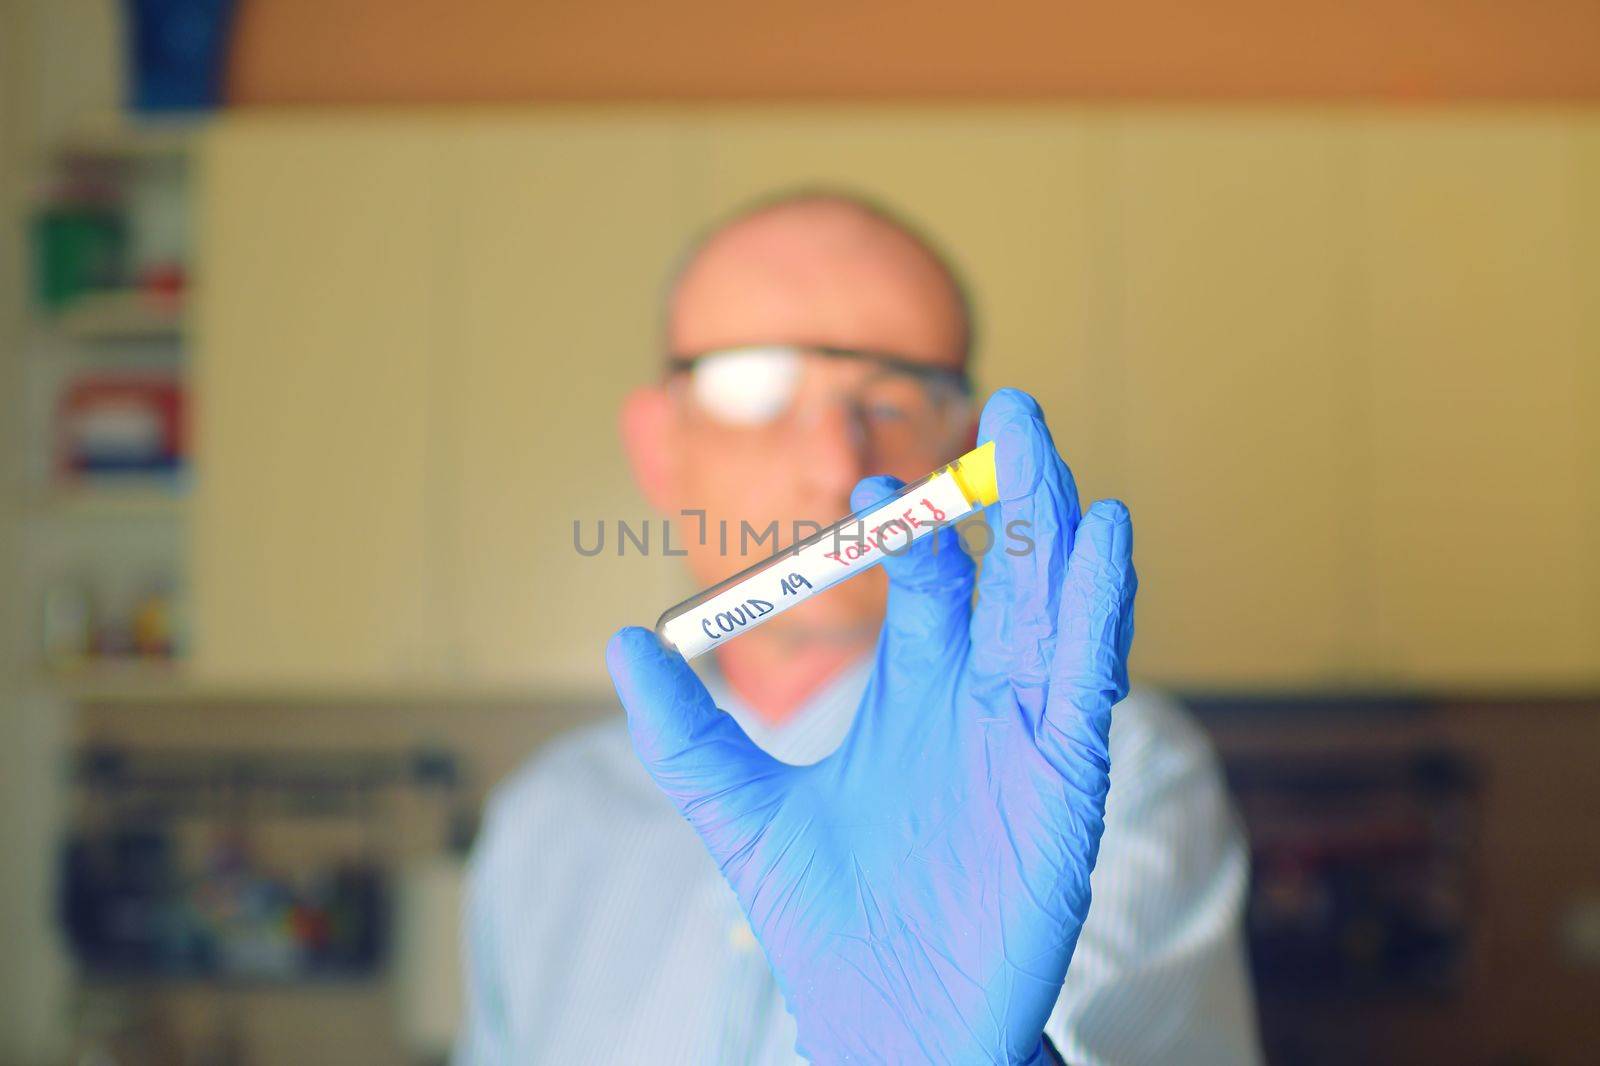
x=1014, y=622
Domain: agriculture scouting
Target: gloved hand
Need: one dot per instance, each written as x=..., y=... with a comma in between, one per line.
x=919, y=892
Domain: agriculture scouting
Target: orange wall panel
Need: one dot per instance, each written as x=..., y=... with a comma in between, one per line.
x=381, y=51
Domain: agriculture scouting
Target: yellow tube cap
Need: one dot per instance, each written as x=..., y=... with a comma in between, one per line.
x=974, y=472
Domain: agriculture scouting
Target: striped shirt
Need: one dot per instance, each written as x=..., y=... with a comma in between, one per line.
x=598, y=930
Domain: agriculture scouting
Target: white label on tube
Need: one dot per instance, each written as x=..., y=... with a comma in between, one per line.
x=792, y=579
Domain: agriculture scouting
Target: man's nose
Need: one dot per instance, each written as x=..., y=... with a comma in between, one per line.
x=833, y=452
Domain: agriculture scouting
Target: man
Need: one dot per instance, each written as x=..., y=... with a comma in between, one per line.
x=817, y=341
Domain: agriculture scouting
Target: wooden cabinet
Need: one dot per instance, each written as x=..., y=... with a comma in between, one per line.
x=414, y=345
x=1342, y=366
x=1480, y=424
x=1228, y=399
x=316, y=433
x=567, y=229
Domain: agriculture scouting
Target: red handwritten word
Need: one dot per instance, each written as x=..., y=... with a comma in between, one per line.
x=872, y=540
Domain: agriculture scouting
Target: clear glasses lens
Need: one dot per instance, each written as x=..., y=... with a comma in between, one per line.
x=903, y=415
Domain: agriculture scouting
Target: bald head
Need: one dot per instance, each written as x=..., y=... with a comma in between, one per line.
x=818, y=271
x=822, y=269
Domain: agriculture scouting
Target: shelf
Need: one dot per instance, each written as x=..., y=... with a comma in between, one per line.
x=110, y=502
x=131, y=980
x=138, y=685
x=130, y=678
x=118, y=314
x=120, y=137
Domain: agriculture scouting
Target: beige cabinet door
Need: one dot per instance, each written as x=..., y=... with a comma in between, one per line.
x=1342, y=370
x=1227, y=395
x=1586, y=268
x=314, y=386
x=567, y=229
x=1481, y=490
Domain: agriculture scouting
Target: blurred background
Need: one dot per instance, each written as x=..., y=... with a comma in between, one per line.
x=292, y=291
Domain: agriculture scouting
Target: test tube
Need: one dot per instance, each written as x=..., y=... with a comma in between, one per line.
x=846, y=548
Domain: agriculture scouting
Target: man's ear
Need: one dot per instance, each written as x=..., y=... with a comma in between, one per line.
x=649, y=437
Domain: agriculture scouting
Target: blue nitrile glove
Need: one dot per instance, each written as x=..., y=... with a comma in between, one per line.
x=919, y=892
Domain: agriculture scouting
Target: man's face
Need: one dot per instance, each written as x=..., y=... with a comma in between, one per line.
x=768, y=439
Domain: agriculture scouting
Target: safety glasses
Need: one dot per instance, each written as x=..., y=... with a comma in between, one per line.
x=756, y=384
x=900, y=406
